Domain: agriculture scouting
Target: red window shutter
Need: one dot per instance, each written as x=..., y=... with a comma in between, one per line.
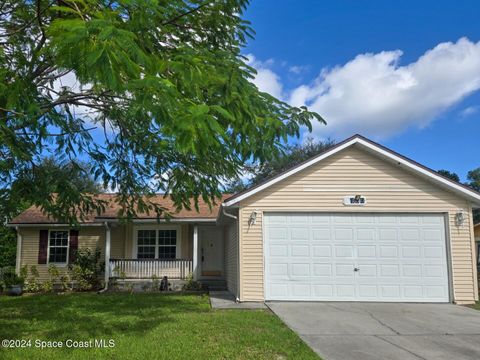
x=73, y=246
x=43, y=247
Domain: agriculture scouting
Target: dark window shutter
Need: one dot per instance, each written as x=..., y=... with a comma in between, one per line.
x=73, y=246
x=43, y=247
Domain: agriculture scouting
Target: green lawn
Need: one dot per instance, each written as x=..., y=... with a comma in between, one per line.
x=145, y=326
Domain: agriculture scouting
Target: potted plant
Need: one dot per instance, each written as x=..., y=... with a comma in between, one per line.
x=13, y=284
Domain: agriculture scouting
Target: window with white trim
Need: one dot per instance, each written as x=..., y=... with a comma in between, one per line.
x=157, y=244
x=146, y=242
x=167, y=244
x=58, y=246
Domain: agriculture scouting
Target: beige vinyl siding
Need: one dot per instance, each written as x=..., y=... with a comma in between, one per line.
x=387, y=187
x=88, y=237
x=117, y=241
x=231, y=256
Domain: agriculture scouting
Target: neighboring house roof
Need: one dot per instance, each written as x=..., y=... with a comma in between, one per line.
x=377, y=149
x=34, y=215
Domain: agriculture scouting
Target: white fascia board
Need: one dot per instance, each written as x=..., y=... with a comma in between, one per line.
x=471, y=195
x=289, y=173
x=173, y=220
x=23, y=225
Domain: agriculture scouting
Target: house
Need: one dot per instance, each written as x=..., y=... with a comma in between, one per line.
x=356, y=223
x=477, y=241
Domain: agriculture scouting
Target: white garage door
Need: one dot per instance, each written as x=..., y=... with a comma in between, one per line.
x=356, y=257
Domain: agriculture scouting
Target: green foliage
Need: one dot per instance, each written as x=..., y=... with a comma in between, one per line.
x=449, y=174
x=290, y=156
x=192, y=285
x=155, y=283
x=86, y=269
x=47, y=286
x=8, y=246
x=163, y=82
x=53, y=272
x=10, y=278
x=473, y=178
x=31, y=283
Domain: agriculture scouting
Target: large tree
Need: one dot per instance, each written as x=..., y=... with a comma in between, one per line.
x=473, y=178
x=290, y=156
x=54, y=176
x=164, y=82
x=448, y=174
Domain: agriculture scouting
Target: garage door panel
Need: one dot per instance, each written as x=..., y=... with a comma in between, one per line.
x=398, y=257
x=322, y=251
x=321, y=234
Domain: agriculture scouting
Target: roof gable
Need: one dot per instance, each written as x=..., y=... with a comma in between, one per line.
x=375, y=149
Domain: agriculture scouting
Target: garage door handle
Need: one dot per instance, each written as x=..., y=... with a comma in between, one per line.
x=356, y=269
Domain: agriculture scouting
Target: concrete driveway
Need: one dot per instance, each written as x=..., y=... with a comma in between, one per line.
x=343, y=331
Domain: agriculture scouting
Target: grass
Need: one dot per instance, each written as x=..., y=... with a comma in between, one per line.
x=476, y=306
x=145, y=326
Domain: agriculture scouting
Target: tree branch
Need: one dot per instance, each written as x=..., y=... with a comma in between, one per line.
x=191, y=11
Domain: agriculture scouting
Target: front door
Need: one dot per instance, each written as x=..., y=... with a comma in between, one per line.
x=211, y=252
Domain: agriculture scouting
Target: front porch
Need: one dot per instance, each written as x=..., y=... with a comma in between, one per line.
x=145, y=251
x=150, y=268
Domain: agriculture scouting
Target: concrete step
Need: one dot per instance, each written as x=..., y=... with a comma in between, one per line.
x=215, y=285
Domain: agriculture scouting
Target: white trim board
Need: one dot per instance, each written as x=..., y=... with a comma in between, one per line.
x=359, y=140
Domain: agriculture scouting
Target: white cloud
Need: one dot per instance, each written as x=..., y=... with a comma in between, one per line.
x=469, y=111
x=374, y=95
x=266, y=80
x=297, y=69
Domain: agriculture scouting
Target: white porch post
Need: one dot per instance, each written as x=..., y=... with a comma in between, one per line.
x=107, y=254
x=195, y=252
x=19, y=251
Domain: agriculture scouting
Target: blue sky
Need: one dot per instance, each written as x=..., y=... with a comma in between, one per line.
x=404, y=73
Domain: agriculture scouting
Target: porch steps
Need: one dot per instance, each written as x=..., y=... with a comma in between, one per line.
x=215, y=285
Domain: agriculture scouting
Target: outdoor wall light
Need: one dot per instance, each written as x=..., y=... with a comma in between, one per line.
x=253, y=218
x=459, y=218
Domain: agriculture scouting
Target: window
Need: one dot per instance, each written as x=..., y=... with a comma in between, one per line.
x=146, y=244
x=167, y=244
x=58, y=246
x=157, y=244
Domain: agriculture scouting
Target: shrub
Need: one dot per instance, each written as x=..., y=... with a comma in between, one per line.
x=191, y=284
x=86, y=269
x=31, y=283
x=155, y=283
x=47, y=286
x=64, y=280
x=10, y=278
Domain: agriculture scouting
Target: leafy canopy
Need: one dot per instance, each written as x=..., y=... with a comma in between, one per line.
x=154, y=94
x=473, y=180
x=289, y=157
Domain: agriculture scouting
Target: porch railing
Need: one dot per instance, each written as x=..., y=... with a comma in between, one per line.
x=147, y=268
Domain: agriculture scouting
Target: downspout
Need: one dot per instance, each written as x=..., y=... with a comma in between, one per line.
x=18, y=263
x=107, y=257
x=224, y=212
